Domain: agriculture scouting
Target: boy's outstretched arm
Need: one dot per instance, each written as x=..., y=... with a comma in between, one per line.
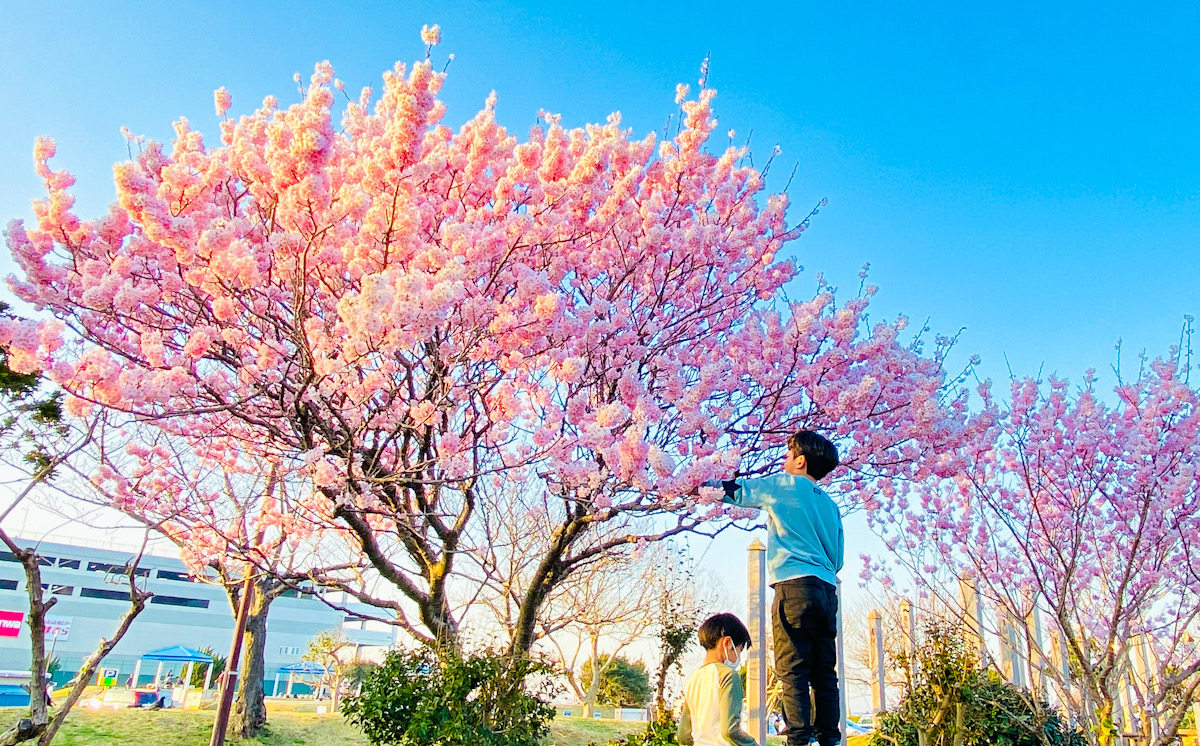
x=738, y=491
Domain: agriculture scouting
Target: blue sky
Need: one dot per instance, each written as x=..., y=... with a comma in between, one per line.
x=1030, y=172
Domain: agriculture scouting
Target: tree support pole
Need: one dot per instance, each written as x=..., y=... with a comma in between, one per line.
x=230, y=679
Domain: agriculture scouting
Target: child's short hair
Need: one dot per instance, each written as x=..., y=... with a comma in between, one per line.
x=819, y=453
x=723, y=625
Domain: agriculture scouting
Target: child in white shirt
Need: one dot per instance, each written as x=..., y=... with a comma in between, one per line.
x=712, y=699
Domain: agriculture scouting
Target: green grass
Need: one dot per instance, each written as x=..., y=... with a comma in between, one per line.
x=288, y=724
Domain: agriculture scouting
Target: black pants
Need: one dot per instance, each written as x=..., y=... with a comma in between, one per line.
x=804, y=620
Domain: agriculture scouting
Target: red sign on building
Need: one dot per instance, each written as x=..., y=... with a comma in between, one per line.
x=10, y=623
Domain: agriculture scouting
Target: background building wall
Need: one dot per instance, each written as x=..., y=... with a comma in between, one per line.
x=93, y=595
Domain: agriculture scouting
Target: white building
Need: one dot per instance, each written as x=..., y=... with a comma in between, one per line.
x=92, y=595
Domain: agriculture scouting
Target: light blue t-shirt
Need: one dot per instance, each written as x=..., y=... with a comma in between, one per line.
x=804, y=526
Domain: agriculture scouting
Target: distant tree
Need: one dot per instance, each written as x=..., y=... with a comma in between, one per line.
x=200, y=670
x=338, y=656
x=39, y=441
x=624, y=683
x=1077, y=526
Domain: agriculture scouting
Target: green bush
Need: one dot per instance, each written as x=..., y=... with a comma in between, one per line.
x=953, y=701
x=200, y=670
x=418, y=698
x=657, y=733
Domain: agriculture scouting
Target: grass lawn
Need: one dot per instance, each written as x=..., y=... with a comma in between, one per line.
x=289, y=724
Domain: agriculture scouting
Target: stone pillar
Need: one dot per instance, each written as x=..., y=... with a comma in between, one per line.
x=973, y=614
x=1142, y=659
x=908, y=613
x=1125, y=703
x=878, y=665
x=1010, y=651
x=756, y=663
x=1037, y=658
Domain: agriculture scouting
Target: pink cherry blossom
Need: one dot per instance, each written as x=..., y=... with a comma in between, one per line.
x=222, y=100
x=401, y=314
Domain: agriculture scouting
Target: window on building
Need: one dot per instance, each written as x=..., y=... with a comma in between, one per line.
x=45, y=561
x=59, y=590
x=142, y=572
x=8, y=557
x=199, y=603
x=172, y=575
x=70, y=564
x=104, y=593
x=7, y=585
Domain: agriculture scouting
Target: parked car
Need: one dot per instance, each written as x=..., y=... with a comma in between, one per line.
x=862, y=723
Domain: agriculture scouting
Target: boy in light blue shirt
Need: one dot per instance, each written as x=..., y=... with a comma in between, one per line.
x=805, y=550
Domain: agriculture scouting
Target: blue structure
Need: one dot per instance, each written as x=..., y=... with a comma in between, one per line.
x=303, y=668
x=12, y=695
x=186, y=657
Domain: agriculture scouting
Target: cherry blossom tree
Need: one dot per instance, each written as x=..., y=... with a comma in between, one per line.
x=237, y=522
x=414, y=314
x=1077, y=526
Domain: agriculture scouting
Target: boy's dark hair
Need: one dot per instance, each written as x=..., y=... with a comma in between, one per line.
x=723, y=625
x=820, y=454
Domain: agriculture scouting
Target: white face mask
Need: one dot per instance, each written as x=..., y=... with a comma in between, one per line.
x=737, y=657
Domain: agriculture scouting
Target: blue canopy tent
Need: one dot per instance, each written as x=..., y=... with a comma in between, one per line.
x=175, y=654
x=303, y=668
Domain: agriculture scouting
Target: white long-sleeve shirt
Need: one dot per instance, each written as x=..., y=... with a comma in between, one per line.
x=712, y=708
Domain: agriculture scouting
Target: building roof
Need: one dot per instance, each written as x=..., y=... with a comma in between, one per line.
x=177, y=653
x=304, y=667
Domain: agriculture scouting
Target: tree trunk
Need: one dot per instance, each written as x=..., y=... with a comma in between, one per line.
x=250, y=707
x=593, y=690
x=40, y=725
x=662, y=713
x=1106, y=727
x=335, y=695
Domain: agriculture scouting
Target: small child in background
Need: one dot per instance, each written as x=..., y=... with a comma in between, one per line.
x=712, y=698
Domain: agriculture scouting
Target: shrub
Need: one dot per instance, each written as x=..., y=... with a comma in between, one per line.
x=426, y=699
x=661, y=732
x=953, y=701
